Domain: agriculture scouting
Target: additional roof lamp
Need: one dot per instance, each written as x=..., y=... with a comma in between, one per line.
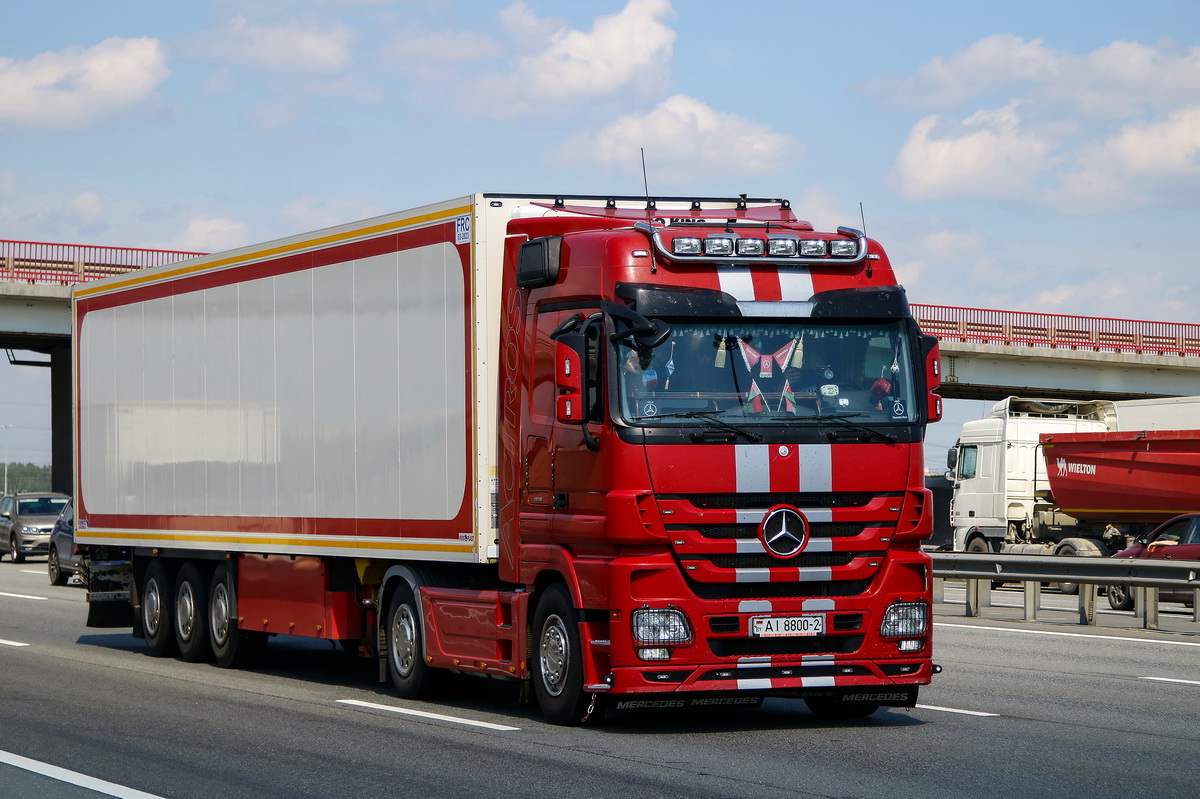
x=686, y=245
x=811, y=247
x=782, y=247
x=843, y=248
x=718, y=245
x=750, y=246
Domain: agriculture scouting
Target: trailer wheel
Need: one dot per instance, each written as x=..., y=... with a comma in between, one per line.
x=410, y=675
x=158, y=624
x=1120, y=597
x=557, y=662
x=233, y=648
x=833, y=709
x=191, y=614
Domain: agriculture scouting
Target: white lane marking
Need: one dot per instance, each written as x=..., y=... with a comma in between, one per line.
x=421, y=713
x=11, y=643
x=955, y=710
x=1067, y=635
x=74, y=778
x=33, y=571
x=1169, y=679
x=24, y=596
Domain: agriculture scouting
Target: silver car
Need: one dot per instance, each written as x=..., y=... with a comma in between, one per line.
x=26, y=521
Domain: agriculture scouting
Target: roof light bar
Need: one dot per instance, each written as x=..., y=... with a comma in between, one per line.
x=780, y=249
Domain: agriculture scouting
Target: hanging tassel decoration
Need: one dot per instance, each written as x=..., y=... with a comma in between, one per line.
x=721, y=354
x=798, y=355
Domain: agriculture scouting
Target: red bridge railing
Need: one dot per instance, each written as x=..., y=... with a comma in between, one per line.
x=42, y=262
x=1059, y=331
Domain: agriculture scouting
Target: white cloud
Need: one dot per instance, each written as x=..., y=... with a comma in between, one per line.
x=986, y=155
x=684, y=140
x=627, y=50
x=76, y=87
x=9, y=180
x=304, y=47
x=210, y=234
x=1143, y=165
x=951, y=243
x=89, y=207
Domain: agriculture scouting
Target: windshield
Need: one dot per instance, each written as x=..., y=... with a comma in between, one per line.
x=41, y=506
x=769, y=373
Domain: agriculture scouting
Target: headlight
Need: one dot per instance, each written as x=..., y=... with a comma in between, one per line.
x=905, y=620
x=750, y=246
x=656, y=627
x=813, y=247
x=781, y=247
x=30, y=530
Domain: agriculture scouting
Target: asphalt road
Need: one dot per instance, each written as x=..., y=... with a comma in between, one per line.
x=1041, y=709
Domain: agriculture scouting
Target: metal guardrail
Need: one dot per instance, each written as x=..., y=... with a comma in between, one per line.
x=1059, y=331
x=1144, y=576
x=44, y=262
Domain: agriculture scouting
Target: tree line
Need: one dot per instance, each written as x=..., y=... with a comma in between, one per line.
x=27, y=477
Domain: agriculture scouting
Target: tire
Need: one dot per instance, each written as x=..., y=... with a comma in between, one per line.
x=1067, y=551
x=980, y=545
x=1120, y=597
x=410, y=675
x=54, y=569
x=14, y=551
x=191, y=614
x=157, y=610
x=832, y=709
x=556, y=664
x=232, y=647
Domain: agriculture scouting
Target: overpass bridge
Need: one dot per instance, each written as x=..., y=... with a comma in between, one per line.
x=986, y=354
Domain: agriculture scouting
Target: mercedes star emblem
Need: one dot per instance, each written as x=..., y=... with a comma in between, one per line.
x=784, y=531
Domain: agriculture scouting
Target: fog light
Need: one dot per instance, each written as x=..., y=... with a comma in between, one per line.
x=686, y=245
x=813, y=246
x=911, y=645
x=658, y=653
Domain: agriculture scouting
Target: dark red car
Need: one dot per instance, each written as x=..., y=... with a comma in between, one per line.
x=1177, y=539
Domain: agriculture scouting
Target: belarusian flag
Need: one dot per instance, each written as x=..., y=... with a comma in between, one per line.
x=755, y=400
x=787, y=403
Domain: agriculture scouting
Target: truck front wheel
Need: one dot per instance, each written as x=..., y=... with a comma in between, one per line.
x=410, y=675
x=157, y=601
x=557, y=663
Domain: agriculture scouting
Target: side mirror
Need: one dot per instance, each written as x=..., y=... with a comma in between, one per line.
x=952, y=458
x=933, y=375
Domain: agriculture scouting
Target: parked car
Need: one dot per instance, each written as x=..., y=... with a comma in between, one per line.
x=1176, y=539
x=26, y=521
x=63, y=560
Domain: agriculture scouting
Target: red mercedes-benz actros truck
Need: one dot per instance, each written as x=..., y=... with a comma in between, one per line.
x=650, y=452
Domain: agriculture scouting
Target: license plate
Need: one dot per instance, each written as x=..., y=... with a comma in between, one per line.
x=775, y=626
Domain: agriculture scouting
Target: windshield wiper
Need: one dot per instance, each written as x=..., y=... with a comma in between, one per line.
x=839, y=418
x=707, y=416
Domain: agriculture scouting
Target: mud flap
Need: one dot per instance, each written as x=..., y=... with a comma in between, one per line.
x=109, y=613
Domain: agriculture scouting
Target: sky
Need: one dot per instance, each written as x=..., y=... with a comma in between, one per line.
x=1008, y=155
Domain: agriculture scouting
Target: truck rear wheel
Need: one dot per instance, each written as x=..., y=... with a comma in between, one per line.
x=409, y=673
x=157, y=602
x=557, y=662
x=233, y=648
x=191, y=614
